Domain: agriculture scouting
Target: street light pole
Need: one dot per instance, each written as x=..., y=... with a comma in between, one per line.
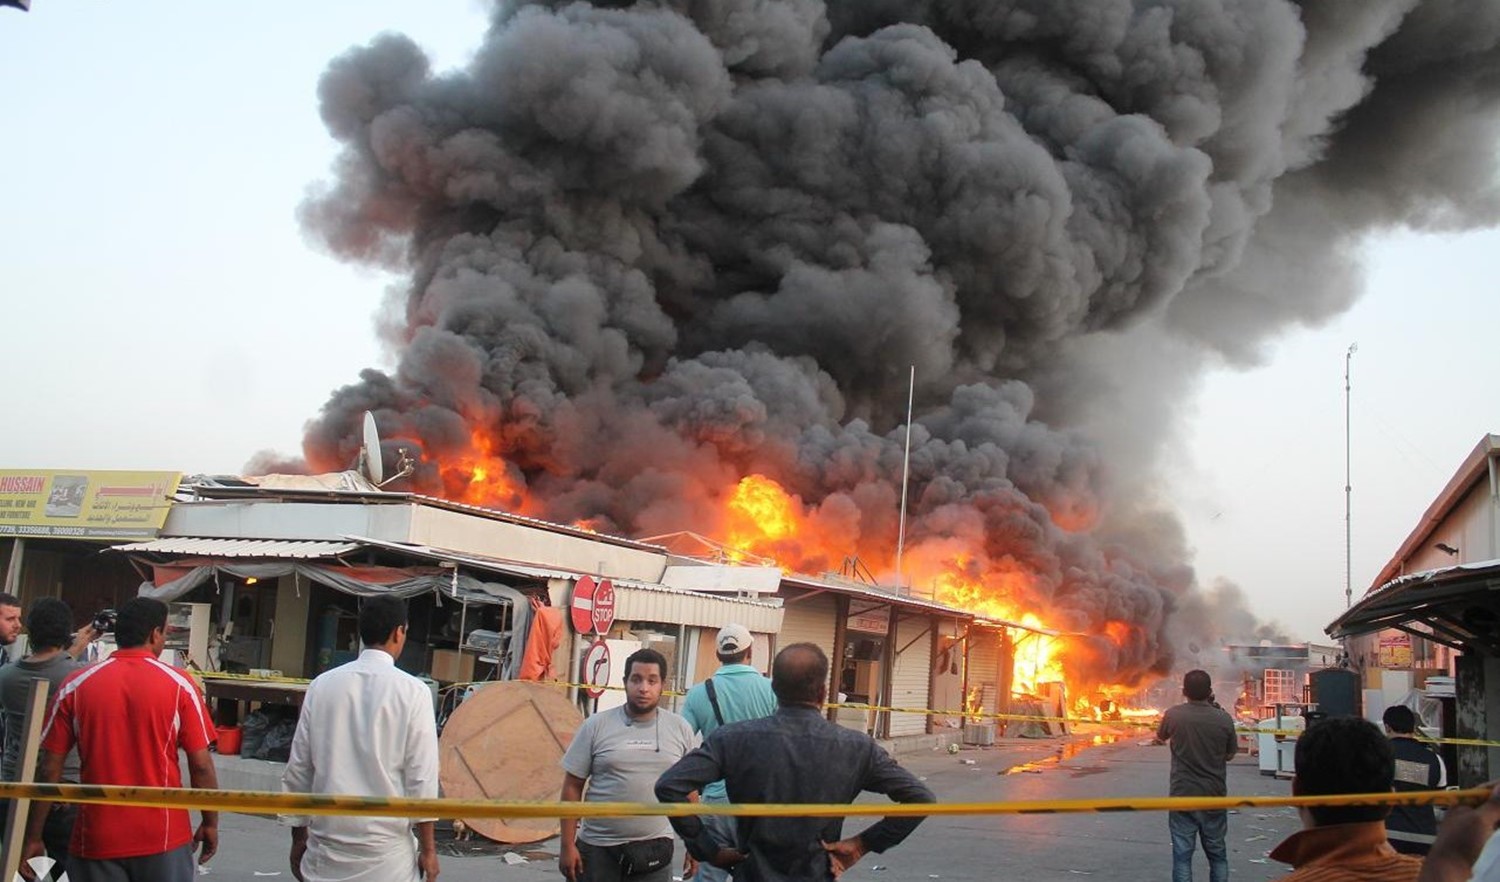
x=1348, y=523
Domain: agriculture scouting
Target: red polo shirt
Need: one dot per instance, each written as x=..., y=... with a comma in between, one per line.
x=128, y=715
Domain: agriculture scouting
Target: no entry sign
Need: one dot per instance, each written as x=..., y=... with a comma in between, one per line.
x=593, y=608
x=595, y=668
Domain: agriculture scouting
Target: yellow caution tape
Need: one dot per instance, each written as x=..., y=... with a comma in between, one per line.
x=254, y=678
x=967, y=715
x=265, y=802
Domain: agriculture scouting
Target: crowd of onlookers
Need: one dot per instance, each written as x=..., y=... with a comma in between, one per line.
x=368, y=728
x=1337, y=756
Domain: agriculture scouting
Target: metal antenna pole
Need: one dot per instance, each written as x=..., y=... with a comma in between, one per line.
x=911, y=393
x=1348, y=509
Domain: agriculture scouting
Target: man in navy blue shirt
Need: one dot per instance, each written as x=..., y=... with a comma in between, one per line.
x=793, y=756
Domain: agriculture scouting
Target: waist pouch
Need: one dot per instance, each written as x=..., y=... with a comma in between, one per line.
x=645, y=855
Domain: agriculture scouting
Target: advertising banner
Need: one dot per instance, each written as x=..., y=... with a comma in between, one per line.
x=1395, y=650
x=85, y=504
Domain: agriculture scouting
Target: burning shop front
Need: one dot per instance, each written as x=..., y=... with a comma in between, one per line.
x=898, y=663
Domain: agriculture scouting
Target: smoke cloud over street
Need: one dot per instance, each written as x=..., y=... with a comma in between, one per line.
x=651, y=250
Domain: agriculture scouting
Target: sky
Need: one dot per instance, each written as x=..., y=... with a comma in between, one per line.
x=168, y=313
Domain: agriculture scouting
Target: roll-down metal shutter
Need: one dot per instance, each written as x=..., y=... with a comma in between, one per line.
x=912, y=678
x=808, y=621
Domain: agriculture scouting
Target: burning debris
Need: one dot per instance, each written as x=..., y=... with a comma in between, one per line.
x=667, y=265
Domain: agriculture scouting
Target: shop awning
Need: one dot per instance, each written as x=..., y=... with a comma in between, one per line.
x=280, y=548
x=1456, y=606
x=498, y=565
x=635, y=600
x=875, y=595
x=648, y=602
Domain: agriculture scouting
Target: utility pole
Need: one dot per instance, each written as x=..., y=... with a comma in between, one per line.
x=1348, y=509
x=911, y=395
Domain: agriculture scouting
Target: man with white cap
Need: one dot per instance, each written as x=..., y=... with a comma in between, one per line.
x=736, y=692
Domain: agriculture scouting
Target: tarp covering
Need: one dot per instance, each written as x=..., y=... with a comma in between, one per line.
x=170, y=582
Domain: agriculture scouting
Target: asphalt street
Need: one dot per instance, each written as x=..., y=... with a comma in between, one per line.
x=1124, y=846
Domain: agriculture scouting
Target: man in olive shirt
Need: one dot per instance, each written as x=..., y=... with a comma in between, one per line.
x=1203, y=742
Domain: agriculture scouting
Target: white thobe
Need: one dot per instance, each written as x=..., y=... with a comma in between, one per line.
x=366, y=729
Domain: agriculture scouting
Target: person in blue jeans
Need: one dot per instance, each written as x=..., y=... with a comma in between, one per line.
x=1203, y=742
x=736, y=692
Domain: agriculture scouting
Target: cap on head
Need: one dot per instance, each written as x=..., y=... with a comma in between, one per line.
x=733, y=639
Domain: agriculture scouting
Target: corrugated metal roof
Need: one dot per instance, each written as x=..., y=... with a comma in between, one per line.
x=478, y=561
x=196, y=547
x=644, y=602
x=770, y=603
x=217, y=491
x=634, y=600
x=870, y=592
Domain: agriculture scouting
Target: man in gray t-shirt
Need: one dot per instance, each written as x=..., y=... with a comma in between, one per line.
x=50, y=627
x=1203, y=742
x=616, y=756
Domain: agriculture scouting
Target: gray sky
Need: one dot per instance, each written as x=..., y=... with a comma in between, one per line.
x=168, y=313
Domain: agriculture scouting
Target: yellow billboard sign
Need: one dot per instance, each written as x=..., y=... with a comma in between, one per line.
x=85, y=504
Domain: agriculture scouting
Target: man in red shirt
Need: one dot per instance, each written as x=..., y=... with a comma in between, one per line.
x=128, y=716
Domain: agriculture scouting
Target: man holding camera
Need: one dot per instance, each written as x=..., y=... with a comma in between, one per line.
x=128, y=716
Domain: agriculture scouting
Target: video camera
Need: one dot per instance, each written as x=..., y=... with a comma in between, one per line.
x=104, y=621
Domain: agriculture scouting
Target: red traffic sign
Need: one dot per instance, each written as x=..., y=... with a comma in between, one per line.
x=593, y=608
x=595, y=668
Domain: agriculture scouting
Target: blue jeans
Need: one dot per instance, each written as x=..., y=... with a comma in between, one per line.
x=1213, y=829
x=722, y=828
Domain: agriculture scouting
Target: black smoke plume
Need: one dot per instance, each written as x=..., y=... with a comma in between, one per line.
x=651, y=249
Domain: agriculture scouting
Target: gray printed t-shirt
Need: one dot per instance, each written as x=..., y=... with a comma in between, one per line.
x=621, y=759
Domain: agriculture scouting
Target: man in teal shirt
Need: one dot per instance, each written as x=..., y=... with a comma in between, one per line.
x=734, y=693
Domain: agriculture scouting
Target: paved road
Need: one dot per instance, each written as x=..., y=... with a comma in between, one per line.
x=1034, y=848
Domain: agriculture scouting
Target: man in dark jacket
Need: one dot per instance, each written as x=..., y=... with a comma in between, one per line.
x=793, y=756
x=1411, y=828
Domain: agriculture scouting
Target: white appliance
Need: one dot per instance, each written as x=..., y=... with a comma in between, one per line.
x=187, y=633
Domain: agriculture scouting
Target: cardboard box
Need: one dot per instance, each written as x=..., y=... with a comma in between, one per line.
x=452, y=666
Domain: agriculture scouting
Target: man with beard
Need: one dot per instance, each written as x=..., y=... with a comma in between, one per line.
x=10, y=624
x=616, y=756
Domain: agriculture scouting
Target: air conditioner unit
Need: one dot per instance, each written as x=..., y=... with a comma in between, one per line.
x=981, y=734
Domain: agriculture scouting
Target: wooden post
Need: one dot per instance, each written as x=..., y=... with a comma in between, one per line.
x=13, y=567
x=31, y=742
x=836, y=662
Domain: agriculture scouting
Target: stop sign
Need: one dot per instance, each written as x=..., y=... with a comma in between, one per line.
x=593, y=608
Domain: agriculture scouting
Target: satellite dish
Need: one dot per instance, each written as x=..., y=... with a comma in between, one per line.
x=370, y=452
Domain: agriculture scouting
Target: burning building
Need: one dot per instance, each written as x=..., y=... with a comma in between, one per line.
x=666, y=266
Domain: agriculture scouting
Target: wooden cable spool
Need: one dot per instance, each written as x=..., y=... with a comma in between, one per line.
x=506, y=743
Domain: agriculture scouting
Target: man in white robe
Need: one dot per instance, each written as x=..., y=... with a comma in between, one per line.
x=367, y=729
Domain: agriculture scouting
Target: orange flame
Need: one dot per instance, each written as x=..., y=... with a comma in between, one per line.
x=761, y=513
x=482, y=477
x=761, y=519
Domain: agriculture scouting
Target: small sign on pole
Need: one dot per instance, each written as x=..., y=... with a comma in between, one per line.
x=595, y=668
